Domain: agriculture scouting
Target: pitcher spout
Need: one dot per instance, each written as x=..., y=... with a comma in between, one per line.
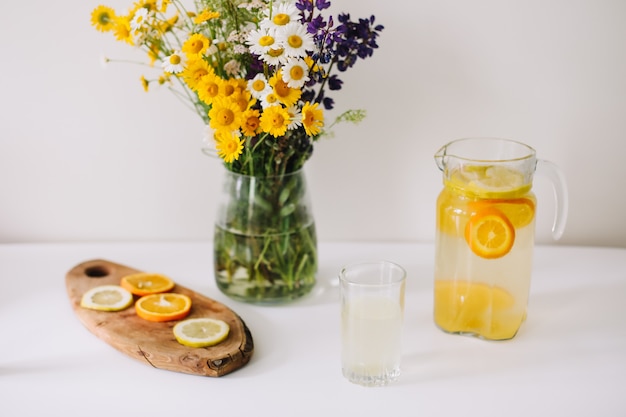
x=440, y=157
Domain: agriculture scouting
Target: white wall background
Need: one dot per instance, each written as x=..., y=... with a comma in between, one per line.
x=86, y=155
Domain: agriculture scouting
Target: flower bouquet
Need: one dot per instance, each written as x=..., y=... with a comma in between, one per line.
x=258, y=73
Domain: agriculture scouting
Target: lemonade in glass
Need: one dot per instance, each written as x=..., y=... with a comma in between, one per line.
x=485, y=236
x=371, y=339
x=372, y=314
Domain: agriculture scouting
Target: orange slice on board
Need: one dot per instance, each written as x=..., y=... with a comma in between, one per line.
x=163, y=307
x=490, y=234
x=144, y=283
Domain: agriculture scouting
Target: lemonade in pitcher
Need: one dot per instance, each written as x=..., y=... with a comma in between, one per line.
x=484, y=237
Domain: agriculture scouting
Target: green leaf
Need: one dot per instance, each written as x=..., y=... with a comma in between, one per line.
x=287, y=210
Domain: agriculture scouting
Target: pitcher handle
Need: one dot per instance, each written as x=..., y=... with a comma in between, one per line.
x=559, y=186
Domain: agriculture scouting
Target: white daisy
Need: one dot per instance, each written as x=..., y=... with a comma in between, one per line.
x=262, y=40
x=259, y=87
x=295, y=39
x=275, y=57
x=270, y=100
x=295, y=72
x=174, y=63
x=139, y=19
x=295, y=116
x=211, y=50
x=281, y=14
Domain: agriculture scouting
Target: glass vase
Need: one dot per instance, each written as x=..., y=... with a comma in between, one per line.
x=265, y=245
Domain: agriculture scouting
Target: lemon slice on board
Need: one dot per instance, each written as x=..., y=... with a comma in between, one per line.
x=107, y=298
x=201, y=332
x=145, y=283
x=163, y=307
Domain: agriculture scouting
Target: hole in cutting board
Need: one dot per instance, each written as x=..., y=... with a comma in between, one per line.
x=97, y=271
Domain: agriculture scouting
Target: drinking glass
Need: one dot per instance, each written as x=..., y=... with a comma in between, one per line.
x=372, y=311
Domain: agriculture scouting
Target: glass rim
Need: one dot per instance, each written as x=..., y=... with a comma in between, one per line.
x=444, y=151
x=381, y=283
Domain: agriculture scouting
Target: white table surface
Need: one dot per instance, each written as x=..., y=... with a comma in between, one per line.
x=569, y=358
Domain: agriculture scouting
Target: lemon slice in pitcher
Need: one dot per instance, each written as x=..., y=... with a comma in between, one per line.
x=201, y=332
x=489, y=181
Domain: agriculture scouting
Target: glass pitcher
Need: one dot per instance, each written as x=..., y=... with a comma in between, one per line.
x=485, y=234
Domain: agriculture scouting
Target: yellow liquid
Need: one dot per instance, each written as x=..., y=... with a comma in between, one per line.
x=475, y=308
x=475, y=294
x=371, y=340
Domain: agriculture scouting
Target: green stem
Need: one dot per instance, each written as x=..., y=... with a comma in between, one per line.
x=266, y=245
x=303, y=262
x=321, y=89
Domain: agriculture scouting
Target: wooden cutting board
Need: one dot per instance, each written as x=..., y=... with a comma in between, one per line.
x=154, y=343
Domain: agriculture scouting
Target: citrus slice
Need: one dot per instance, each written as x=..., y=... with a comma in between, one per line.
x=107, y=298
x=471, y=307
x=144, y=283
x=201, y=332
x=519, y=211
x=489, y=181
x=490, y=234
x=163, y=307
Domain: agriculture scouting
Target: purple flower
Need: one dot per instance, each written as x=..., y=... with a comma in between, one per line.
x=316, y=25
x=308, y=95
x=358, y=40
x=334, y=83
x=305, y=5
x=322, y=4
x=339, y=46
x=256, y=66
x=308, y=6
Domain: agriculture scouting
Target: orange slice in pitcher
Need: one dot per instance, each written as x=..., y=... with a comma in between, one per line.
x=490, y=234
x=519, y=211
